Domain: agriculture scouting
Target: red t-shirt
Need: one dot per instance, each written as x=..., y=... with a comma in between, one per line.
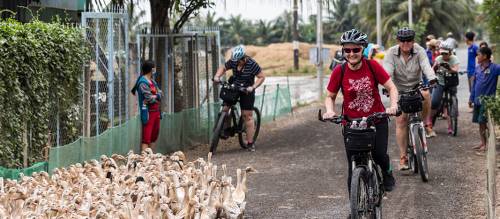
x=361, y=97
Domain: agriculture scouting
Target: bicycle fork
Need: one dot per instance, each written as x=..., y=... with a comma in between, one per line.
x=415, y=135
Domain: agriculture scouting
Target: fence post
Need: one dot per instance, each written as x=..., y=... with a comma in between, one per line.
x=491, y=169
x=276, y=101
x=263, y=96
x=25, y=145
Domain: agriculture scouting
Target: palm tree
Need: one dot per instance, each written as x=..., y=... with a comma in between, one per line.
x=282, y=28
x=236, y=31
x=438, y=16
x=263, y=32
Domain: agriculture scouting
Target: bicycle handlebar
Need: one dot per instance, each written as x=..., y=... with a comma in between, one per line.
x=419, y=86
x=232, y=86
x=369, y=120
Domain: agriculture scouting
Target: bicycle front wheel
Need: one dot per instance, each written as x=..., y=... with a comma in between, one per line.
x=359, y=194
x=217, y=131
x=453, y=109
x=418, y=134
x=242, y=134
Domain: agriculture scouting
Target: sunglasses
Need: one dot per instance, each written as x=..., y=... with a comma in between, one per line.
x=354, y=50
x=445, y=53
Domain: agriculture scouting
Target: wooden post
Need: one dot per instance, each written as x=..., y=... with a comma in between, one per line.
x=263, y=97
x=491, y=169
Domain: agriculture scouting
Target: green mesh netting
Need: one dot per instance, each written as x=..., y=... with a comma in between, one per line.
x=116, y=140
x=177, y=130
x=14, y=173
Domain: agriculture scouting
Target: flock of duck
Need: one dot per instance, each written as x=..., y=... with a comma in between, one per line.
x=138, y=186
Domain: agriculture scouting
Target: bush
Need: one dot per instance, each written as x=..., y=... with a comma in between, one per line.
x=493, y=105
x=41, y=64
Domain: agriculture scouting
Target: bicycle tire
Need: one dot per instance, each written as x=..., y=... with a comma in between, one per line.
x=420, y=154
x=412, y=161
x=378, y=192
x=454, y=115
x=359, y=193
x=242, y=132
x=217, y=132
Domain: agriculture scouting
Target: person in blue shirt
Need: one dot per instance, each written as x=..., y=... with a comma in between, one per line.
x=471, y=56
x=484, y=84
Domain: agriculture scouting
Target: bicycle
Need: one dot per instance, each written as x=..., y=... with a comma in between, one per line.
x=367, y=188
x=410, y=102
x=449, y=100
x=230, y=93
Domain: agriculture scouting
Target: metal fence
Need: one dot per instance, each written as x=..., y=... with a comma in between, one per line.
x=185, y=64
x=105, y=81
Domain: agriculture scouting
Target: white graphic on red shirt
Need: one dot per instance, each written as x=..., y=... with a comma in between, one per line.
x=364, y=94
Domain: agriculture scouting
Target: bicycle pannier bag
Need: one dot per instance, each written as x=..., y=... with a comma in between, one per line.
x=229, y=95
x=410, y=103
x=359, y=140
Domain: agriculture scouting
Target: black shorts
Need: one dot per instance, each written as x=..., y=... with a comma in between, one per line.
x=246, y=101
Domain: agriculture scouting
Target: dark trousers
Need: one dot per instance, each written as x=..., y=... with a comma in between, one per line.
x=379, y=152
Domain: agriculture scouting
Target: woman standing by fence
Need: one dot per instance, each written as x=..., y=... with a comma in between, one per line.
x=149, y=101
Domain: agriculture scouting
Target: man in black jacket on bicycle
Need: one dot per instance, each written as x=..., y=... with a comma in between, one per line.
x=245, y=69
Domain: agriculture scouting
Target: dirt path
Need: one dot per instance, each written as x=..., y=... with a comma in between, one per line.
x=301, y=167
x=302, y=173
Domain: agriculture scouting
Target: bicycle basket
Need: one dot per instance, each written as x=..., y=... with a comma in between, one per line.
x=411, y=103
x=451, y=80
x=359, y=139
x=229, y=95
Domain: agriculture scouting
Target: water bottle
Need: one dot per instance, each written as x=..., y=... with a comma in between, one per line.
x=362, y=124
x=354, y=125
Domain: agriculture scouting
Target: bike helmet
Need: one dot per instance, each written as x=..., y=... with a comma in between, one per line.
x=238, y=53
x=405, y=33
x=354, y=36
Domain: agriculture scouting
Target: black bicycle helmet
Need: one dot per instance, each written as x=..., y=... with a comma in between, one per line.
x=405, y=33
x=354, y=36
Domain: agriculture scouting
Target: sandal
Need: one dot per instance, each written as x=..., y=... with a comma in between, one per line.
x=481, y=149
x=478, y=147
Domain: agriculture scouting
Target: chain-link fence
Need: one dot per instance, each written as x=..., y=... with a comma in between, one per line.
x=105, y=82
x=185, y=64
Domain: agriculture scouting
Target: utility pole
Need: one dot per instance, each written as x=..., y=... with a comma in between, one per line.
x=295, y=35
x=410, y=13
x=319, y=41
x=379, y=25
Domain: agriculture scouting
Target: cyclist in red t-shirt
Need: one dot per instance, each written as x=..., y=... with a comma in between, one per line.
x=359, y=85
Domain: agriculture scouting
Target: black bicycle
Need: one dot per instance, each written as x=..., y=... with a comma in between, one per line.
x=449, y=100
x=367, y=188
x=229, y=123
x=410, y=102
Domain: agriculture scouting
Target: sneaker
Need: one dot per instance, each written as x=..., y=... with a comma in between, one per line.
x=251, y=147
x=389, y=181
x=429, y=133
x=403, y=163
x=450, y=131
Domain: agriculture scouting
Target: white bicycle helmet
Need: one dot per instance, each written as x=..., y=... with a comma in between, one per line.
x=446, y=45
x=238, y=53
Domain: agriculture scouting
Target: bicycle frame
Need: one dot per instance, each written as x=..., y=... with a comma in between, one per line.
x=415, y=120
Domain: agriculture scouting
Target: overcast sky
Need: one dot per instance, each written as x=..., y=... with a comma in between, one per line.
x=259, y=9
